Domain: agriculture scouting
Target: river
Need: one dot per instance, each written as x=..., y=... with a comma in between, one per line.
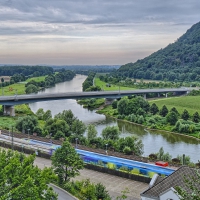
x=152, y=140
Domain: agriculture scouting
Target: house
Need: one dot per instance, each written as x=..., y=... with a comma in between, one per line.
x=164, y=188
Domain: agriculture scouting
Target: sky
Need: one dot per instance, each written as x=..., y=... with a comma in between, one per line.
x=90, y=32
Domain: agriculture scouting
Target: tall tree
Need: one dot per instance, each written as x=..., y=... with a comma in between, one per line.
x=20, y=179
x=175, y=110
x=185, y=115
x=91, y=132
x=47, y=115
x=196, y=117
x=27, y=122
x=172, y=118
x=66, y=162
x=111, y=132
x=164, y=111
x=78, y=128
x=154, y=109
x=122, y=106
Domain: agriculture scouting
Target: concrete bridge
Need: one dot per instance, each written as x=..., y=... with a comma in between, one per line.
x=10, y=101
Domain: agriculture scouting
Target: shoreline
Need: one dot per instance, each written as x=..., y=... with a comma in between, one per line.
x=147, y=128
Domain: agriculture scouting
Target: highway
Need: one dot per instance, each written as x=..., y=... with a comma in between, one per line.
x=21, y=99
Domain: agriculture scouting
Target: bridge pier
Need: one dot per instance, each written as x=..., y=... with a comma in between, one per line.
x=9, y=110
x=166, y=95
x=158, y=94
x=109, y=101
x=145, y=96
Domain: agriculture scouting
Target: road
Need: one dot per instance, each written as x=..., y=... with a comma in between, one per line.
x=62, y=194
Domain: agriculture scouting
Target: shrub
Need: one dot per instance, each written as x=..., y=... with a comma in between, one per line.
x=153, y=156
x=127, y=150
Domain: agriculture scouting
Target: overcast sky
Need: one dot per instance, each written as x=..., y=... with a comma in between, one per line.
x=90, y=32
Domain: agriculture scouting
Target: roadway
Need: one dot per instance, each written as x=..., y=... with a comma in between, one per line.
x=21, y=99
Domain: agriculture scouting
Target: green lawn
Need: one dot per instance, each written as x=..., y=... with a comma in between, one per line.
x=190, y=103
x=103, y=86
x=19, y=88
x=37, y=79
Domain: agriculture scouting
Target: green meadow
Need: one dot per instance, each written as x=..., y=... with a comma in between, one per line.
x=18, y=88
x=103, y=86
x=190, y=103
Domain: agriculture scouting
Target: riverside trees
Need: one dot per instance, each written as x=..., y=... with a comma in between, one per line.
x=138, y=110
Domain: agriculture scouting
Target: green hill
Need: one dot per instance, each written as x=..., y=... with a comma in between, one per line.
x=179, y=61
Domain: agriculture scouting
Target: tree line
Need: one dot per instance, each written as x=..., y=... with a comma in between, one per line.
x=88, y=83
x=25, y=70
x=66, y=125
x=138, y=110
x=50, y=80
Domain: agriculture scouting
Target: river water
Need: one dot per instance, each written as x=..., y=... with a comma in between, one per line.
x=152, y=140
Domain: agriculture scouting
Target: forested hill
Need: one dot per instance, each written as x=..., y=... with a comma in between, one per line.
x=179, y=61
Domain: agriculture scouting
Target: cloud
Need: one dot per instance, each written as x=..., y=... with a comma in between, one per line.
x=60, y=22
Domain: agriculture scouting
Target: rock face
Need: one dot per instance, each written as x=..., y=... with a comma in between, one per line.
x=179, y=61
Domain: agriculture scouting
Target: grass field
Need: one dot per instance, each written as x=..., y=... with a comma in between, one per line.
x=37, y=79
x=19, y=88
x=190, y=103
x=103, y=86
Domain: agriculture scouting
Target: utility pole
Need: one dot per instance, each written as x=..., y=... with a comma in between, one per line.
x=12, y=139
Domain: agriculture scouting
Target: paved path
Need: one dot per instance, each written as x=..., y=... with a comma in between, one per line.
x=62, y=194
x=113, y=184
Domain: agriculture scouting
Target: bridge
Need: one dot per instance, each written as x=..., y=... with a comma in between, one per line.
x=10, y=101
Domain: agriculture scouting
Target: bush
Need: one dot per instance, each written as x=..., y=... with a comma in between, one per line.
x=127, y=150
x=153, y=156
x=140, y=119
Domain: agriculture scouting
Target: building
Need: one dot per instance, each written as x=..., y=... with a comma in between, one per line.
x=165, y=188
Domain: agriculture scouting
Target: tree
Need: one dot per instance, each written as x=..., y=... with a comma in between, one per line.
x=172, y=117
x=175, y=110
x=91, y=132
x=196, y=117
x=191, y=189
x=134, y=143
x=111, y=132
x=101, y=192
x=21, y=179
x=164, y=111
x=66, y=162
x=53, y=126
x=185, y=115
x=47, y=115
x=27, y=122
x=78, y=128
x=68, y=116
x=114, y=104
x=40, y=113
x=154, y=109
x=31, y=89
x=122, y=106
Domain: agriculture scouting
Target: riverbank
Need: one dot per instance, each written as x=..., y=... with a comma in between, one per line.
x=103, y=107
